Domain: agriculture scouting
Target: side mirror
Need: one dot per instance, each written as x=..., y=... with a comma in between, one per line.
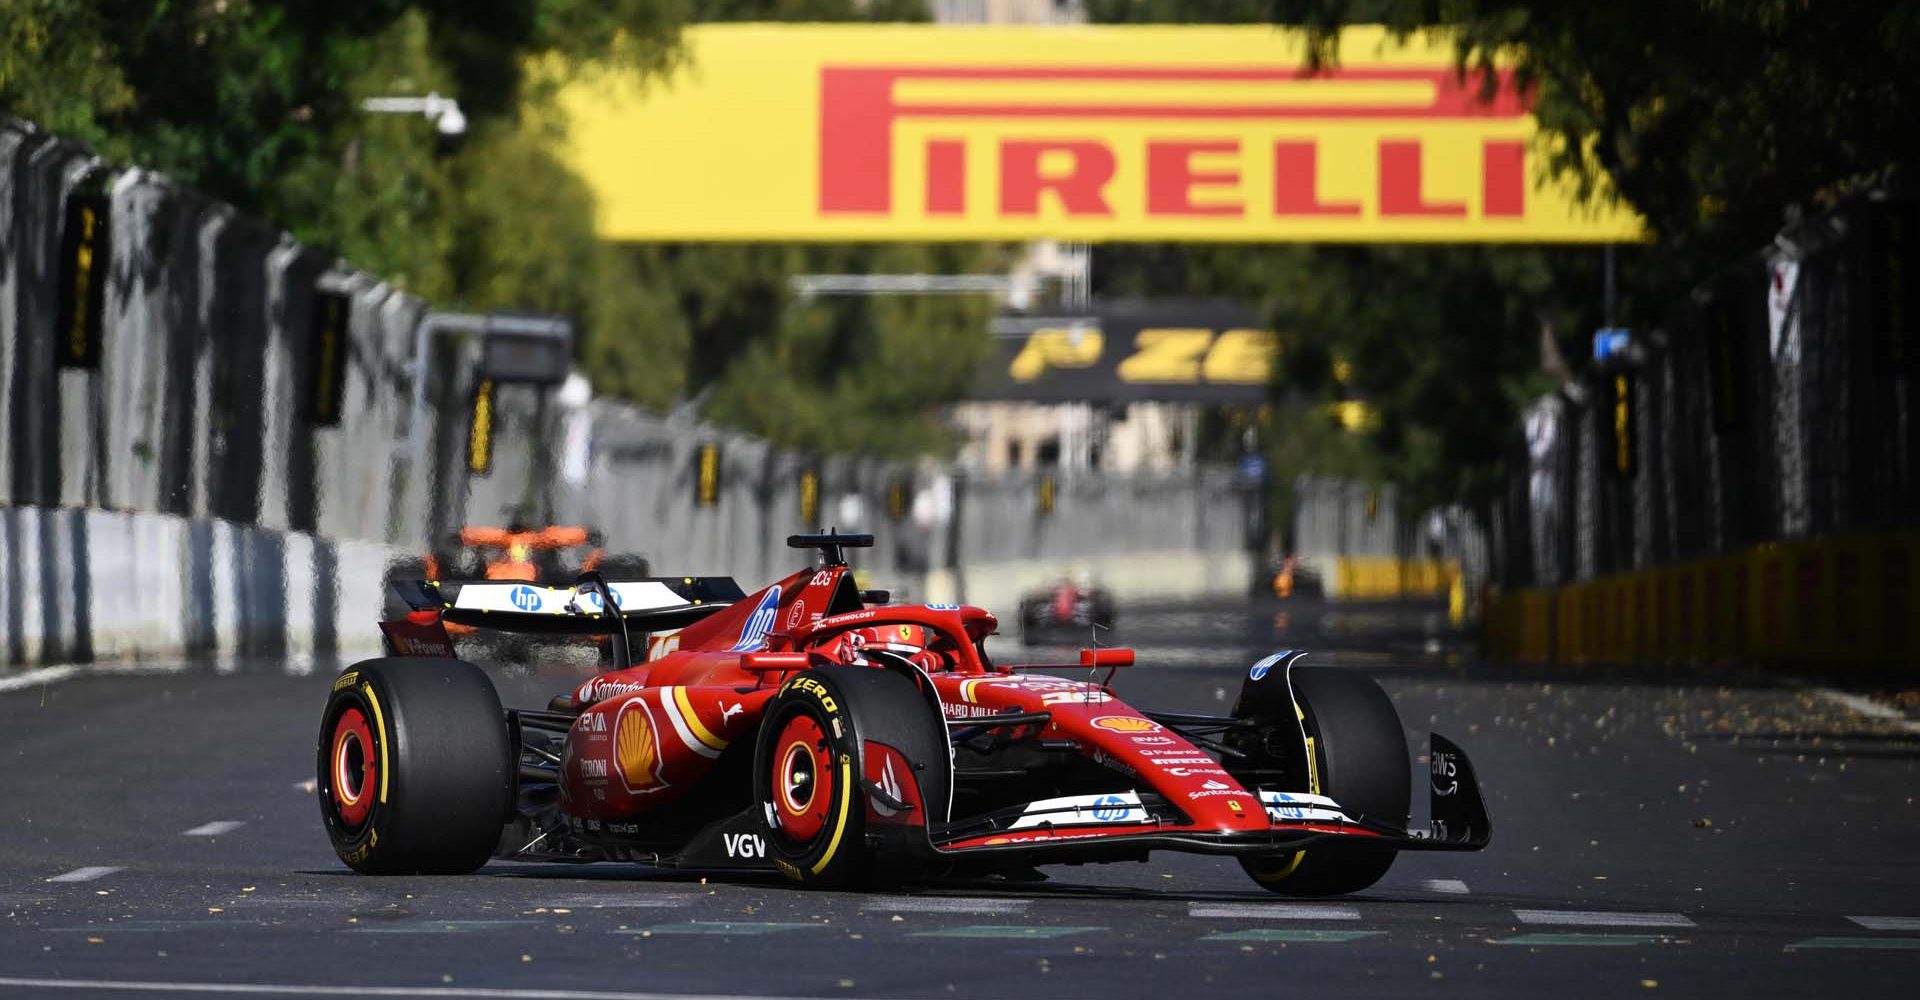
x=1117, y=656
x=759, y=662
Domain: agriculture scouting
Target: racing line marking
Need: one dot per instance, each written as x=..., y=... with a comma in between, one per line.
x=215, y=828
x=1599, y=918
x=300, y=989
x=1877, y=944
x=1452, y=886
x=1271, y=911
x=943, y=904
x=1292, y=935
x=43, y=675
x=1888, y=923
x=1870, y=708
x=650, y=901
x=86, y=874
x=1580, y=940
x=441, y=927
x=720, y=927
x=1005, y=931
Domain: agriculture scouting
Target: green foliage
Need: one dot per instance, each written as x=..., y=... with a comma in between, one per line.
x=1716, y=119
x=832, y=374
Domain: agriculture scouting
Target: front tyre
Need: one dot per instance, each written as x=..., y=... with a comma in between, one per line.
x=415, y=768
x=810, y=767
x=1359, y=758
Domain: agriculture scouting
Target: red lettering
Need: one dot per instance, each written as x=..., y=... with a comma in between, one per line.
x=1171, y=178
x=856, y=141
x=946, y=176
x=1296, y=189
x=1079, y=188
x=1504, y=178
x=1400, y=183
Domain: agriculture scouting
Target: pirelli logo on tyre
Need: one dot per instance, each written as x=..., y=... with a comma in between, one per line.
x=346, y=680
x=1164, y=132
x=815, y=688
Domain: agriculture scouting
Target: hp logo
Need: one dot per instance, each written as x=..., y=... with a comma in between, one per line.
x=525, y=598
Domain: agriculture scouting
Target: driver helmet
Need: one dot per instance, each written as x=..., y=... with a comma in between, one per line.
x=906, y=638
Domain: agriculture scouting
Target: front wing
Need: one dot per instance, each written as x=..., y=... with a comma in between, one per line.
x=1132, y=823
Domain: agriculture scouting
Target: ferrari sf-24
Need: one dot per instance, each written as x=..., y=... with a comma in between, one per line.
x=813, y=729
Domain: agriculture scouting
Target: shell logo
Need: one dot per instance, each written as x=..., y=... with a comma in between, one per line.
x=636, y=748
x=1126, y=724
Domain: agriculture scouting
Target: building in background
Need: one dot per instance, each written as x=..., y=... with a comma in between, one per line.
x=1008, y=12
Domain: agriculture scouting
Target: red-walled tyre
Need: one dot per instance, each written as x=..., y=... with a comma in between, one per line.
x=808, y=770
x=414, y=767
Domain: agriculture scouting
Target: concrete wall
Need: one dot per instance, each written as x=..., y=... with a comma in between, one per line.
x=82, y=585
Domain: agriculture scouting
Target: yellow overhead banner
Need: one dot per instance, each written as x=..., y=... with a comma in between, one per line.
x=918, y=132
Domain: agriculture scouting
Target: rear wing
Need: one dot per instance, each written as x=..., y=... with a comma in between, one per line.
x=650, y=605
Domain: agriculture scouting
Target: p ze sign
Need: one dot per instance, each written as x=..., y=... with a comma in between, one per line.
x=875, y=132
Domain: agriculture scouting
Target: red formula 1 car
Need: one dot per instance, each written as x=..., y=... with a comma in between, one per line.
x=812, y=729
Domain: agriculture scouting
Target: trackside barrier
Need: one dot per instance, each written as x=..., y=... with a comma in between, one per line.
x=233, y=411
x=1847, y=600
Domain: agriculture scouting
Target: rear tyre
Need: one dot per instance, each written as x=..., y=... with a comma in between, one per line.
x=1360, y=760
x=415, y=768
x=809, y=769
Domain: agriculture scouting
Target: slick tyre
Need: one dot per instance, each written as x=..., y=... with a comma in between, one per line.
x=810, y=770
x=1360, y=760
x=414, y=767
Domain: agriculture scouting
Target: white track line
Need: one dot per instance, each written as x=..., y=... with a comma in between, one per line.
x=1452, y=886
x=299, y=989
x=1271, y=911
x=86, y=874
x=942, y=904
x=649, y=901
x=43, y=675
x=215, y=828
x=1601, y=918
x=1888, y=923
x=1870, y=708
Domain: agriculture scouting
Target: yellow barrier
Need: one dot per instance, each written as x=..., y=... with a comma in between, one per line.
x=1388, y=577
x=1844, y=600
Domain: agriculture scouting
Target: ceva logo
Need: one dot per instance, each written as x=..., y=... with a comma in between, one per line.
x=754, y=634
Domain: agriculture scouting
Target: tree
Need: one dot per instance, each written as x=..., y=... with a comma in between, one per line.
x=1717, y=120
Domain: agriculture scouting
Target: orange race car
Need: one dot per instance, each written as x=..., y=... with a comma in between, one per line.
x=552, y=555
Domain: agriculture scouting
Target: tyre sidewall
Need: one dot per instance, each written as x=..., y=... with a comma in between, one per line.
x=444, y=785
x=834, y=855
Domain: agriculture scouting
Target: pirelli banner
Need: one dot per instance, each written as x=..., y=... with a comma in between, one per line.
x=921, y=132
x=1174, y=350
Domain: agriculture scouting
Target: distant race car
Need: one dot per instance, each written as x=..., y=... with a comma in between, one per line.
x=800, y=730
x=550, y=554
x=1066, y=611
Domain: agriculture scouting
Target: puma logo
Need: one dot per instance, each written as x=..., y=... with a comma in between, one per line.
x=727, y=713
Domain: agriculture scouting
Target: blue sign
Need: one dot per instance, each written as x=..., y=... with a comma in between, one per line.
x=1609, y=341
x=943, y=607
x=591, y=598
x=1110, y=808
x=525, y=598
x=1253, y=467
x=753, y=635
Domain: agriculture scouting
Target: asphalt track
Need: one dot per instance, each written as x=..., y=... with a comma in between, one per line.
x=1709, y=833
